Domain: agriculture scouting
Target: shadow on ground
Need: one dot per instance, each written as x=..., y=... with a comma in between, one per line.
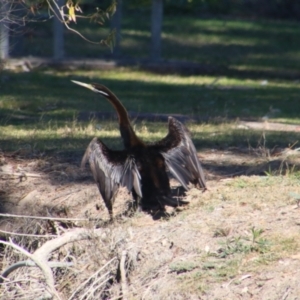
x=50, y=185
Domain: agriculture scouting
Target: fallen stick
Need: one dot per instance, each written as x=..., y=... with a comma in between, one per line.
x=30, y=263
x=40, y=256
x=21, y=174
x=42, y=218
x=123, y=275
x=28, y=235
x=40, y=262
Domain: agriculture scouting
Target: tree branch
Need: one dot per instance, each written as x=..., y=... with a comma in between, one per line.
x=40, y=256
x=40, y=263
x=29, y=263
x=74, y=235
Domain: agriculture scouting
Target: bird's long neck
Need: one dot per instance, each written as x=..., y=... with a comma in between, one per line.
x=129, y=137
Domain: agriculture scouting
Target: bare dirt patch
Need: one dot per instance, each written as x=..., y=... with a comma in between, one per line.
x=238, y=240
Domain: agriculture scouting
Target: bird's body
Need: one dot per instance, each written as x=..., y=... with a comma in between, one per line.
x=143, y=168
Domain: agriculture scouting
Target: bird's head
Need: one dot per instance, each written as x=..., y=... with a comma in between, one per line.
x=95, y=87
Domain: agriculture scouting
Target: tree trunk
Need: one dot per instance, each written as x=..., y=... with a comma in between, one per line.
x=4, y=31
x=58, y=34
x=16, y=29
x=116, y=24
x=156, y=26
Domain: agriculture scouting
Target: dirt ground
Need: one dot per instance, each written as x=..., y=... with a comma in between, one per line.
x=238, y=240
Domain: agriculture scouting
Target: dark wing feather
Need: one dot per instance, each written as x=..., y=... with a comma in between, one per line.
x=111, y=169
x=180, y=155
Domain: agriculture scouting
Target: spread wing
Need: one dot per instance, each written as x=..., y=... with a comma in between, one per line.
x=111, y=169
x=180, y=155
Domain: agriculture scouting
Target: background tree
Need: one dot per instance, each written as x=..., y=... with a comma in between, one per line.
x=15, y=15
x=4, y=30
x=116, y=25
x=156, y=28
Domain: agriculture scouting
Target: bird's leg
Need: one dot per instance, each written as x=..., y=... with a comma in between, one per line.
x=109, y=206
x=111, y=216
x=137, y=201
x=137, y=204
x=161, y=206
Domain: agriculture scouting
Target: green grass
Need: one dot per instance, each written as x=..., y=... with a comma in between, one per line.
x=41, y=108
x=204, y=96
x=231, y=259
x=253, y=64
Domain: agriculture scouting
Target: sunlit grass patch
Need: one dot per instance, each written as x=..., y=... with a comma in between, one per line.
x=53, y=96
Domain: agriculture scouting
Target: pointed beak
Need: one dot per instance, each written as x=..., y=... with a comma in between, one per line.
x=86, y=85
x=93, y=87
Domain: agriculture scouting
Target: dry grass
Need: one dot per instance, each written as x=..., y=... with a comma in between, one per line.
x=238, y=239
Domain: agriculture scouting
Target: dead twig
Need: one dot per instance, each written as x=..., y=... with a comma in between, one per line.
x=28, y=235
x=95, y=286
x=20, y=174
x=286, y=293
x=91, y=277
x=42, y=218
x=66, y=194
x=123, y=275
